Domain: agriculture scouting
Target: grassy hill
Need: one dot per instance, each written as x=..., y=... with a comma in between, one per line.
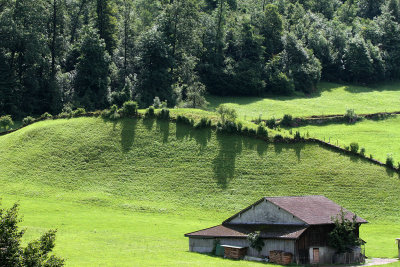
x=126, y=192
x=331, y=99
x=377, y=137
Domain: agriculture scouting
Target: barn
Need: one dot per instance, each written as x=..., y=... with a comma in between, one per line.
x=293, y=229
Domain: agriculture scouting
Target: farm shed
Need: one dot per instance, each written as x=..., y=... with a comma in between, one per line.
x=297, y=226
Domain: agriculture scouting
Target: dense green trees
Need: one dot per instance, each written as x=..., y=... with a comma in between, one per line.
x=92, y=54
x=36, y=253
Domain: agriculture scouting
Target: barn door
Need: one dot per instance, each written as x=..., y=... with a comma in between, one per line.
x=315, y=255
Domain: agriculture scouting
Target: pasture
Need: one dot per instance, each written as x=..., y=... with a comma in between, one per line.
x=330, y=99
x=128, y=191
x=378, y=137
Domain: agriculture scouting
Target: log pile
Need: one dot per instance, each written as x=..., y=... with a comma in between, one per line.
x=280, y=257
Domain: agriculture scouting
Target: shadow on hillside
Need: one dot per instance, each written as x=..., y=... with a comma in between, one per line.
x=380, y=87
x=148, y=123
x=254, y=144
x=201, y=136
x=128, y=134
x=297, y=147
x=230, y=146
x=163, y=127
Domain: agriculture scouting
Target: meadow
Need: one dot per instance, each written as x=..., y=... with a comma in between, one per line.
x=127, y=192
x=378, y=137
x=330, y=99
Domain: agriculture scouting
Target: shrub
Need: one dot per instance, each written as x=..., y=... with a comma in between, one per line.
x=112, y=113
x=78, y=112
x=287, y=120
x=297, y=136
x=252, y=131
x=130, y=108
x=354, y=147
x=239, y=127
x=64, y=115
x=271, y=123
x=149, y=112
x=343, y=237
x=203, y=123
x=27, y=120
x=389, y=161
x=163, y=114
x=278, y=138
x=347, y=148
x=185, y=120
x=6, y=122
x=46, y=116
x=226, y=114
x=371, y=156
x=261, y=131
x=350, y=116
x=255, y=241
x=228, y=126
x=157, y=102
x=362, y=151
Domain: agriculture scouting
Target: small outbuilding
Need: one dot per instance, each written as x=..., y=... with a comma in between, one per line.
x=292, y=229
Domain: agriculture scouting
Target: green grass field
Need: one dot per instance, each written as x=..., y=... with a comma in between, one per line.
x=331, y=99
x=379, y=138
x=125, y=193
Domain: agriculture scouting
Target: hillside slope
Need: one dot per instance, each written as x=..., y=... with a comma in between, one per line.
x=143, y=184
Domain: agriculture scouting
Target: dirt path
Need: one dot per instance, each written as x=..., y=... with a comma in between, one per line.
x=378, y=261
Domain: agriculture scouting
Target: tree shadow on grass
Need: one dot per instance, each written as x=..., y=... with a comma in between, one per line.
x=380, y=87
x=297, y=147
x=230, y=146
x=148, y=123
x=163, y=127
x=128, y=133
x=201, y=136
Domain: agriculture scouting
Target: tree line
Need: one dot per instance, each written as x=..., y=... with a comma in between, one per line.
x=63, y=54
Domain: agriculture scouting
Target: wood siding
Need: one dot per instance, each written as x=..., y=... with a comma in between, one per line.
x=266, y=212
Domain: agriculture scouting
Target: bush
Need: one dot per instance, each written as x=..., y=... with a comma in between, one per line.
x=203, y=123
x=6, y=122
x=261, y=131
x=150, y=112
x=278, y=138
x=354, y=147
x=297, y=136
x=228, y=126
x=362, y=151
x=350, y=116
x=78, y=112
x=112, y=113
x=157, y=102
x=27, y=120
x=371, y=156
x=347, y=148
x=163, y=114
x=287, y=120
x=64, y=115
x=389, y=161
x=185, y=120
x=226, y=114
x=46, y=116
x=130, y=108
x=271, y=123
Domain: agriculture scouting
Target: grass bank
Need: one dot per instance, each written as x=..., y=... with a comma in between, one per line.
x=126, y=192
x=330, y=99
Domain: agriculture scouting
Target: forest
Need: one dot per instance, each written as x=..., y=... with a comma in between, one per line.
x=63, y=54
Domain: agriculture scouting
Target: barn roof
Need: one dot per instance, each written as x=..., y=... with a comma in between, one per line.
x=312, y=210
x=241, y=231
